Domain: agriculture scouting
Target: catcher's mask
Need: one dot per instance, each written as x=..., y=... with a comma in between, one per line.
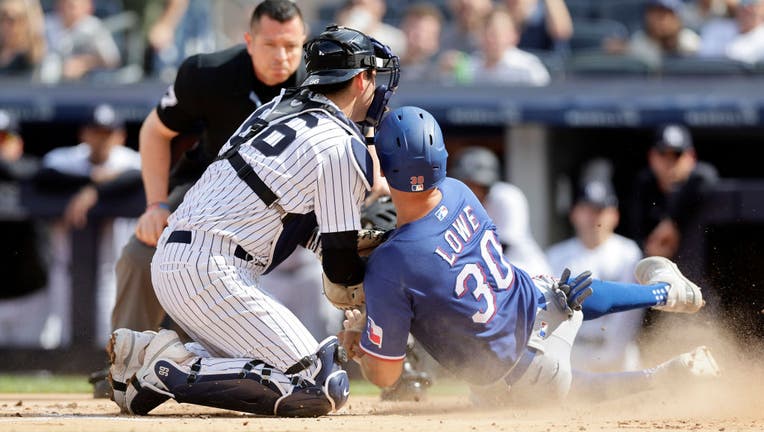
x=340, y=53
x=411, y=150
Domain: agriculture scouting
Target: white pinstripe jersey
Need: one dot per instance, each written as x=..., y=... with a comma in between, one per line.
x=316, y=171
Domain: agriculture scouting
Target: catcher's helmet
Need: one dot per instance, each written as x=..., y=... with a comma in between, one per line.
x=411, y=150
x=336, y=55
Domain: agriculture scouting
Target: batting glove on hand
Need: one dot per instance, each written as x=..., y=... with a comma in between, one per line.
x=571, y=293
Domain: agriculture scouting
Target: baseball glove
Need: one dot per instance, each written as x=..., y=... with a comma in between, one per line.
x=352, y=297
x=344, y=297
x=379, y=215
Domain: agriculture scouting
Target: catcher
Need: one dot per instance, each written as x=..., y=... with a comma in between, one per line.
x=441, y=276
x=298, y=163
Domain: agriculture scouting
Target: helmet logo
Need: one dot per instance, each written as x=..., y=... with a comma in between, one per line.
x=417, y=183
x=313, y=80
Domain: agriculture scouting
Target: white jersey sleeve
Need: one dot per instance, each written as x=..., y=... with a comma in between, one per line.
x=340, y=190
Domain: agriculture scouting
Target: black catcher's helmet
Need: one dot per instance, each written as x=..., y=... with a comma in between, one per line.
x=340, y=53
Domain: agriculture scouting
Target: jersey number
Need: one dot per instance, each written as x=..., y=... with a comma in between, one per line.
x=277, y=137
x=493, y=260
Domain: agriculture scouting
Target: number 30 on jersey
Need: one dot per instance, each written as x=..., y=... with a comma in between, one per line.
x=492, y=260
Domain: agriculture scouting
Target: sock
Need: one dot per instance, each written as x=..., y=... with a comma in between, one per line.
x=609, y=297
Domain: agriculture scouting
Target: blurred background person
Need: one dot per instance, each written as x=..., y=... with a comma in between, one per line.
x=173, y=30
x=101, y=165
x=421, y=24
x=499, y=60
x=505, y=203
x=23, y=265
x=366, y=16
x=741, y=39
x=462, y=32
x=663, y=34
x=668, y=196
x=22, y=38
x=542, y=24
x=607, y=343
x=696, y=13
x=78, y=43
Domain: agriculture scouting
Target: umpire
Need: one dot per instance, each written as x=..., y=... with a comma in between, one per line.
x=212, y=95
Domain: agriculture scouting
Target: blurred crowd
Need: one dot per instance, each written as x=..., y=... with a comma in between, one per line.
x=513, y=42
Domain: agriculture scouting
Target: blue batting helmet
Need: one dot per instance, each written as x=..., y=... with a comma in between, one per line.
x=411, y=150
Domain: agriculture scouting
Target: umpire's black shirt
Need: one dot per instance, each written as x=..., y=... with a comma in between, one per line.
x=213, y=94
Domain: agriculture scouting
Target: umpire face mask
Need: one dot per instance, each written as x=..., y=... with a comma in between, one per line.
x=388, y=73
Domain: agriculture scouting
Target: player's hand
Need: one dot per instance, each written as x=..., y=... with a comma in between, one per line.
x=150, y=225
x=350, y=337
x=76, y=212
x=663, y=240
x=571, y=293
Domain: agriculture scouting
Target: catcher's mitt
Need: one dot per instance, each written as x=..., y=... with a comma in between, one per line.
x=344, y=297
x=380, y=215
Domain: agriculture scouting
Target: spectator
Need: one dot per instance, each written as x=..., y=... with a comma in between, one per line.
x=98, y=167
x=22, y=43
x=663, y=34
x=741, y=39
x=668, y=195
x=607, y=343
x=421, y=25
x=78, y=43
x=505, y=203
x=462, y=32
x=174, y=30
x=24, y=302
x=366, y=16
x=499, y=60
x=695, y=14
x=543, y=24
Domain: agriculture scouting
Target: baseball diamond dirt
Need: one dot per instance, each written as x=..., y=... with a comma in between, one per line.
x=730, y=403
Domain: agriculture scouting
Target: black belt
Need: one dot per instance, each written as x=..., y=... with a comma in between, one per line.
x=185, y=238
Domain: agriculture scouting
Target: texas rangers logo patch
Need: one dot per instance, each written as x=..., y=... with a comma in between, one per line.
x=374, y=332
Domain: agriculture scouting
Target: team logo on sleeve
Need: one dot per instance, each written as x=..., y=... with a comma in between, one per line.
x=374, y=332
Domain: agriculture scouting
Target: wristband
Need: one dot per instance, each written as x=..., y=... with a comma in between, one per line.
x=160, y=204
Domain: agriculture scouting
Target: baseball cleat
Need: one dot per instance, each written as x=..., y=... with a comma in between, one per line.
x=683, y=296
x=125, y=348
x=696, y=363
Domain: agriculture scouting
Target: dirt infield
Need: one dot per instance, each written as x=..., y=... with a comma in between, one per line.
x=733, y=402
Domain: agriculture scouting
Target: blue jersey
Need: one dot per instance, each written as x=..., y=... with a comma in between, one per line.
x=444, y=279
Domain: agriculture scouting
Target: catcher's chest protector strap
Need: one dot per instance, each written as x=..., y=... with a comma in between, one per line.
x=285, y=108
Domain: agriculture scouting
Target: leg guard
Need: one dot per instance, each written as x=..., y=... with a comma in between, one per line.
x=255, y=387
x=329, y=374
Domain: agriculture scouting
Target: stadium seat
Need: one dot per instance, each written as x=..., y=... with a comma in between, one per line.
x=598, y=63
x=589, y=34
x=693, y=66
